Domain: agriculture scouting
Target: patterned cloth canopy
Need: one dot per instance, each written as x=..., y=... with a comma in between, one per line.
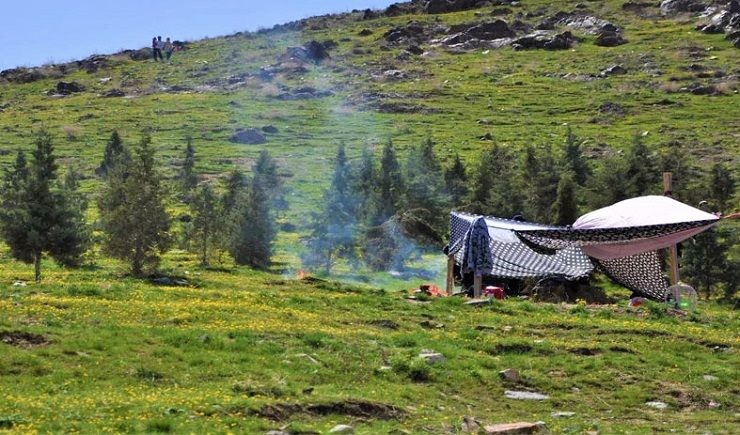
x=621, y=240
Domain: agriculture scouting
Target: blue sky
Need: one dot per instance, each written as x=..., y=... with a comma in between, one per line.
x=34, y=32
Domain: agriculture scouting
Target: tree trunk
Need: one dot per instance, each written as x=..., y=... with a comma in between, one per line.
x=37, y=266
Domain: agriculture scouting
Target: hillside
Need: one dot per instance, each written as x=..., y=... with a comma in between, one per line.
x=233, y=350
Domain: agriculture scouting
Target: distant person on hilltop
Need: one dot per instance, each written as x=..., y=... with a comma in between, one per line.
x=157, y=47
x=168, y=48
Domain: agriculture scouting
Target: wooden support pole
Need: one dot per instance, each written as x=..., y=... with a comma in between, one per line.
x=450, y=274
x=672, y=251
x=477, y=285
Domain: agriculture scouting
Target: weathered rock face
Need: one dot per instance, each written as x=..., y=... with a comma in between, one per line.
x=610, y=39
x=248, y=136
x=93, y=63
x=545, y=40
x=312, y=51
x=445, y=6
x=724, y=20
x=585, y=23
x=22, y=75
x=66, y=88
x=673, y=7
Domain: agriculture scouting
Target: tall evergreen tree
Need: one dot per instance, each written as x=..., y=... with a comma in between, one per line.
x=642, y=170
x=565, y=208
x=267, y=169
x=540, y=172
x=208, y=221
x=115, y=151
x=254, y=229
x=494, y=185
x=333, y=229
x=364, y=184
x=187, y=176
x=609, y=184
x=132, y=210
x=573, y=159
x=235, y=183
x=36, y=218
x=721, y=187
x=390, y=185
x=425, y=187
x=456, y=180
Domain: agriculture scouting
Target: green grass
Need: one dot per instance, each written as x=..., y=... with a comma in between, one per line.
x=122, y=355
x=125, y=355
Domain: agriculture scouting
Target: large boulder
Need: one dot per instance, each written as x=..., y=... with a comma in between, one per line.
x=312, y=51
x=609, y=38
x=725, y=20
x=444, y=6
x=66, y=88
x=491, y=30
x=545, y=40
x=673, y=7
x=248, y=136
x=22, y=75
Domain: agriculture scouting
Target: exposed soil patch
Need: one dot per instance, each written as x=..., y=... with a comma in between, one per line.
x=585, y=351
x=23, y=339
x=352, y=408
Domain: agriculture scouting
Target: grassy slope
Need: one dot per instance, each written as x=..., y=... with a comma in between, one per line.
x=125, y=355
x=129, y=356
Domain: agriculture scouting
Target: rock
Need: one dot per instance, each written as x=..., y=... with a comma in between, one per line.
x=270, y=129
x=673, y=7
x=585, y=23
x=712, y=404
x=312, y=51
x=657, y=404
x=710, y=378
x=92, y=63
x=699, y=89
x=611, y=108
x=365, y=32
x=415, y=49
x=510, y=375
x=478, y=302
x=501, y=11
x=521, y=427
x=544, y=39
x=491, y=30
x=431, y=356
x=22, y=75
x=342, y=428
x=471, y=425
x=430, y=324
x=610, y=38
x=445, y=6
x=249, y=136
x=66, y=88
x=613, y=70
x=562, y=414
x=395, y=74
x=278, y=432
x=113, y=93
x=525, y=395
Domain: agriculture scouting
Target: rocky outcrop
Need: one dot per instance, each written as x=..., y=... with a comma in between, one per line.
x=22, y=75
x=673, y=7
x=724, y=20
x=584, y=23
x=312, y=51
x=545, y=40
x=248, y=136
x=609, y=38
x=66, y=88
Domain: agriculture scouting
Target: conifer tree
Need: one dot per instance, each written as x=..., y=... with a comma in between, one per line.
x=540, y=174
x=390, y=185
x=364, y=184
x=267, y=169
x=132, y=210
x=456, y=180
x=573, y=159
x=115, y=151
x=37, y=217
x=207, y=222
x=253, y=226
x=609, y=184
x=333, y=229
x=235, y=183
x=565, y=208
x=425, y=187
x=642, y=171
x=721, y=187
x=494, y=188
x=187, y=176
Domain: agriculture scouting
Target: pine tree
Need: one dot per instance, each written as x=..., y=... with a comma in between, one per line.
x=456, y=181
x=642, y=171
x=426, y=195
x=494, y=186
x=37, y=217
x=187, y=176
x=565, y=208
x=235, y=184
x=540, y=174
x=132, y=210
x=267, y=169
x=364, y=185
x=207, y=222
x=702, y=261
x=721, y=187
x=609, y=185
x=390, y=185
x=254, y=230
x=573, y=159
x=72, y=239
x=333, y=229
x=115, y=151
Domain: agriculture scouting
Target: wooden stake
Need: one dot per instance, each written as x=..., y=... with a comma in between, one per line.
x=672, y=251
x=477, y=285
x=450, y=274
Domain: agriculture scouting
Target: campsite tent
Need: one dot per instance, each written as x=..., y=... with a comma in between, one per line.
x=622, y=240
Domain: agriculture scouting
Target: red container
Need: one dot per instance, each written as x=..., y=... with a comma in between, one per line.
x=496, y=292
